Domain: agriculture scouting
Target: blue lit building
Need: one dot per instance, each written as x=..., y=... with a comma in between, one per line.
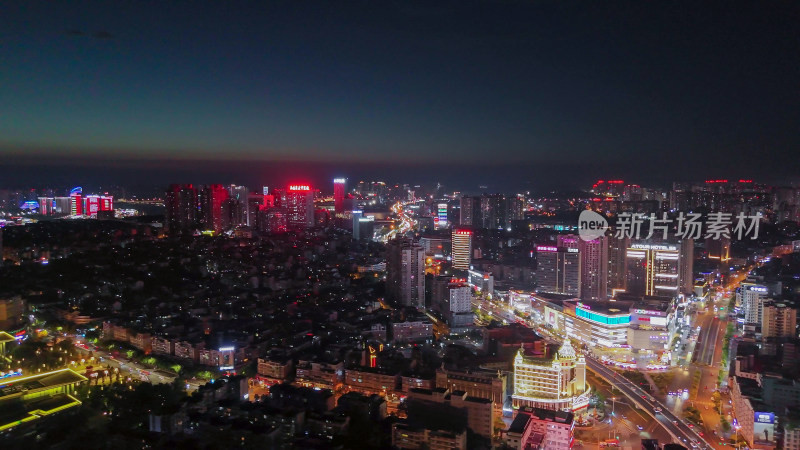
x=598, y=323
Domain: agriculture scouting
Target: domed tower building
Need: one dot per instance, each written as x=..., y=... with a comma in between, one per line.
x=550, y=381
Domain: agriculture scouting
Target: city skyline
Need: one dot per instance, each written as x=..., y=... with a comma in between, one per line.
x=472, y=225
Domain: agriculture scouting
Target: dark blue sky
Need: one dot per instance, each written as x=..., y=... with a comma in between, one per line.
x=546, y=91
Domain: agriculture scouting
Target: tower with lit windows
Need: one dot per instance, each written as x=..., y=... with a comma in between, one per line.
x=339, y=193
x=462, y=248
x=655, y=268
x=299, y=204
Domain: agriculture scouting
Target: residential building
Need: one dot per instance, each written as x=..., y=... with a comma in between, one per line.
x=405, y=272
x=778, y=320
x=539, y=428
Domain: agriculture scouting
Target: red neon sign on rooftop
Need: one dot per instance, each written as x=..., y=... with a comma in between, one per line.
x=299, y=187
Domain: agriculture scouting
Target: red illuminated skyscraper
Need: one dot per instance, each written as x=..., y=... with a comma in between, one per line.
x=215, y=196
x=92, y=205
x=299, y=204
x=106, y=203
x=339, y=193
x=76, y=204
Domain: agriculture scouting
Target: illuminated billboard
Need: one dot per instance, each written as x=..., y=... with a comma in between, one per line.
x=764, y=427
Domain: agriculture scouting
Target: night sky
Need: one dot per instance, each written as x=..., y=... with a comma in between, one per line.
x=506, y=93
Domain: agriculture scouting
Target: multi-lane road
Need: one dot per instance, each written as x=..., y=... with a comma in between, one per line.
x=406, y=224
x=679, y=430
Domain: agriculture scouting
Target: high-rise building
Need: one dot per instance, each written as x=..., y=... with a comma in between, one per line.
x=752, y=298
x=76, y=204
x=273, y=220
x=181, y=208
x=493, y=211
x=215, y=207
x=255, y=203
x=470, y=211
x=363, y=226
x=405, y=272
x=558, y=270
x=594, y=264
x=46, y=206
x=462, y=248
x=778, y=321
x=550, y=381
x=339, y=194
x=299, y=204
x=460, y=298
x=238, y=205
x=660, y=269
x=460, y=315
x=517, y=205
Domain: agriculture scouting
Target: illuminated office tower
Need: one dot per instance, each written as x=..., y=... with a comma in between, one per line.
x=752, y=298
x=550, y=381
x=106, y=203
x=663, y=269
x=558, y=270
x=181, y=208
x=339, y=194
x=299, y=204
x=363, y=226
x=594, y=264
x=462, y=248
x=46, y=206
x=238, y=205
x=76, y=201
x=214, y=207
x=62, y=206
x=92, y=205
x=405, y=272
